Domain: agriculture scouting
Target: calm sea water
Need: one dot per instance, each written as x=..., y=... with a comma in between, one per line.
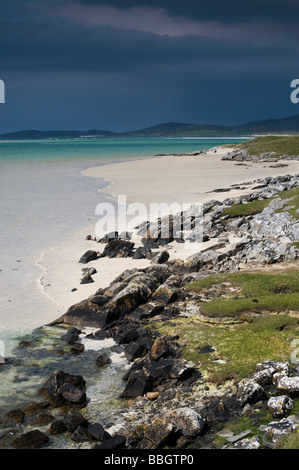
x=44, y=198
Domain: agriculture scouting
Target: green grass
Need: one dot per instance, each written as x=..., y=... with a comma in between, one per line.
x=292, y=204
x=242, y=347
x=282, y=145
x=256, y=292
x=250, y=208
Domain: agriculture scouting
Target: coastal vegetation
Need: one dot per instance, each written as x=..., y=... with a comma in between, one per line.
x=291, y=206
x=276, y=145
x=252, y=320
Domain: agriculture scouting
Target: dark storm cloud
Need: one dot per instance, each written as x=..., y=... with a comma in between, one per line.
x=228, y=10
x=143, y=62
x=63, y=47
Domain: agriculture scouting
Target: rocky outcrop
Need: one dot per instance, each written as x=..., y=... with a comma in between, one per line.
x=124, y=295
x=242, y=155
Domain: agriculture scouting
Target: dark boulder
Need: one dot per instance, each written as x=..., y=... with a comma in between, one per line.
x=84, y=313
x=57, y=427
x=149, y=310
x=86, y=279
x=113, y=443
x=160, y=349
x=80, y=434
x=17, y=415
x=30, y=440
x=62, y=388
x=118, y=249
x=165, y=294
x=126, y=336
x=108, y=237
x=73, y=420
x=71, y=336
x=135, y=349
x=103, y=359
x=90, y=255
x=97, y=432
x=137, y=385
x=128, y=299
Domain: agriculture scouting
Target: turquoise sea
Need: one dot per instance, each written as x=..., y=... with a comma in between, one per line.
x=44, y=198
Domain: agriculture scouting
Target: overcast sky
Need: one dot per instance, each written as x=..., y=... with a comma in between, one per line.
x=126, y=64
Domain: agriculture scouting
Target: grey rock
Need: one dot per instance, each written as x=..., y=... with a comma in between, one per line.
x=280, y=406
x=249, y=391
x=187, y=420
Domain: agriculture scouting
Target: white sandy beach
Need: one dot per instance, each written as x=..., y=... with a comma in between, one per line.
x=181, y=179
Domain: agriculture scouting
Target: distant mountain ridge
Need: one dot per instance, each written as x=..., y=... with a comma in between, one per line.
x=289, y=125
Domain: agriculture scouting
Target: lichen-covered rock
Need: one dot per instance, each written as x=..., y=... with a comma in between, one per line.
x=277, y=430
x=277, y=366
x=187, y=420
x=280, y=406
x=249, y=391
x=165, y=294
x=157, y=435
x=248, y=443
x=289, y=386
x=264, y=377
x=160, y=348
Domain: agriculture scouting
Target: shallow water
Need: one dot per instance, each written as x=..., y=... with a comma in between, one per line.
x=36, y=358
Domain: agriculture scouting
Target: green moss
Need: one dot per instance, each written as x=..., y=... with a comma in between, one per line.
x=292, y=202
x=240, y=347
x=256, y=292
x=250, y=208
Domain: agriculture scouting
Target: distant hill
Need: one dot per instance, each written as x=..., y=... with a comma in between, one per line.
x=35, y=135
x=288, y=125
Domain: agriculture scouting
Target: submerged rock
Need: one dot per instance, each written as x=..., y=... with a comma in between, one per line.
x=62, y=388
x=31, y=439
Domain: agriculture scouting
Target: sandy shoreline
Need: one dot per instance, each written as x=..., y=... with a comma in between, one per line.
x=168, y=179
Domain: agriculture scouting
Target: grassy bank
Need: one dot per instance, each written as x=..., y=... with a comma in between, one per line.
x=282, y=145
x=246, y=318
